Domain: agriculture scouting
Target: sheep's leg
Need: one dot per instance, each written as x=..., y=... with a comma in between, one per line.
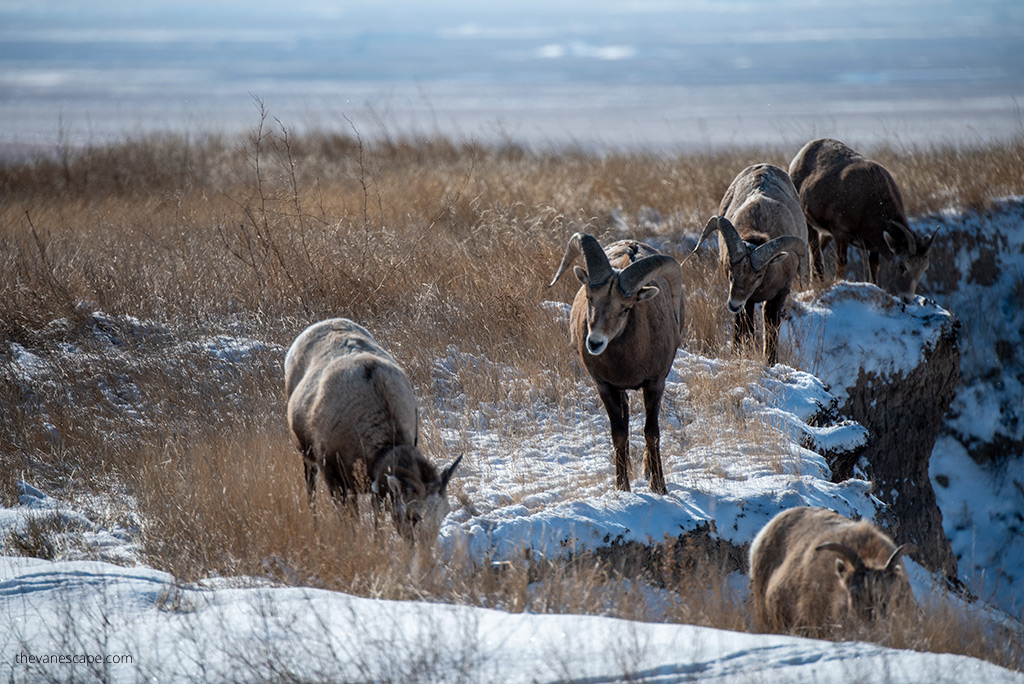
x=841, y=248
x=814, y=244
x=652, y=438
x=337, y=482
x=772, y=321
x=873, y=266
x=310, y=468
x=743, y=327
x=617, y=406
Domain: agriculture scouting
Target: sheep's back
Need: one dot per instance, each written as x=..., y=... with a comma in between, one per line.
x=346, y=394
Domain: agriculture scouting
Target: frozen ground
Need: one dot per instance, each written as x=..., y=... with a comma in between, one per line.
x=137, y=624
x=547, y=489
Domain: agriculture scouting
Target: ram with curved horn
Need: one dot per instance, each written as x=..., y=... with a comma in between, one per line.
x=353, y=415
x=626, y=324
x=855, y=201
x=816, y=573
x=763, y=248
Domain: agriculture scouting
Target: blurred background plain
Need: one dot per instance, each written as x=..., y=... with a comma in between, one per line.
x=659, y=75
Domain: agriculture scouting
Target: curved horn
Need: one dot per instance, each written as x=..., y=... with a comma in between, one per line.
x=900, y=550
x=844, y=551
x=908, y=236
x=711, y=227
x=446, y=474
x=733, y=242
x=763, y=255
x=639, y=273
x=598, y=267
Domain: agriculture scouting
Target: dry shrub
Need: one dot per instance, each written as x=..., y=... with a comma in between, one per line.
x=435, y=246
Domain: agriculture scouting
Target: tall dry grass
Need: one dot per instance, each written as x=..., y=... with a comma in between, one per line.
x=431, y=243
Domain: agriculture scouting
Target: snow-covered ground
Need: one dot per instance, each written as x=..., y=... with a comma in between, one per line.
x=119, y=624
x=539, y=477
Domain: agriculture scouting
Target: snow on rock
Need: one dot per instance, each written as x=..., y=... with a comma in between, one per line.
x=855, y=328
x=137, y=624
x=894, y=365
x=977, y=465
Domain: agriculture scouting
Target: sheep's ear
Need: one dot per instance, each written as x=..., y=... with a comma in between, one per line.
x=581, y=274
x=647, y=292
x=447, y=474
x=395, y=487
x=889, y=240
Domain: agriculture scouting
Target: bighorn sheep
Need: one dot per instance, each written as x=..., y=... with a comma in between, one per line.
x=763, y=247
x=812, y=571
x=854, y=200
x=353, y=415
x=626, y=323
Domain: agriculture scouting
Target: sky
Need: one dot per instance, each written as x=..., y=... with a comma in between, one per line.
x=614, y=73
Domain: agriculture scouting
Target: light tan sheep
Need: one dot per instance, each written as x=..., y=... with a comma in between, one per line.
x=816, y=573
x=626, y=323
x=353, y=415
x=763, y=248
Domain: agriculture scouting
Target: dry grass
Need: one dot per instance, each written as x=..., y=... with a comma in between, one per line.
x=430, y=243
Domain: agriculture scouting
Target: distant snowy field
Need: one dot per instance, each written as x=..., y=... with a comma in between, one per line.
x=606, y=73
x=552, y=494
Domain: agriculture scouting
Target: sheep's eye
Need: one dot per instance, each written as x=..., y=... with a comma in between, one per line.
x=414, y=518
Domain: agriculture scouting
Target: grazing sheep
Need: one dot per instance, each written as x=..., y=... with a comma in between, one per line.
x=855, y=201
x=626, y=323
x=763, y=247
x=813, y=572
x=353, y=415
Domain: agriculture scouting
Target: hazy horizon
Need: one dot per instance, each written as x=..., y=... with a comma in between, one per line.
x=654, y=74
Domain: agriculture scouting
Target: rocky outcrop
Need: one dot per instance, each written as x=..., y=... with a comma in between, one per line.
x=894, y=367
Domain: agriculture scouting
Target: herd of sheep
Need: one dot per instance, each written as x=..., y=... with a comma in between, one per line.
x=353, y=414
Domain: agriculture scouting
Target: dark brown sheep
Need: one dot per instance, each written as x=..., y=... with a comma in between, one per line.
x=855, y=201
x=627, y=323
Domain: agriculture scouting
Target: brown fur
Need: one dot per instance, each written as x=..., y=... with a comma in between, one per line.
x=644, y=336
x=353, y=415
x=855, y=201
x=762, y=204
x=797, y=587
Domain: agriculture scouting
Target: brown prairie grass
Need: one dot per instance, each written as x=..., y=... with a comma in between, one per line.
x=434, y=245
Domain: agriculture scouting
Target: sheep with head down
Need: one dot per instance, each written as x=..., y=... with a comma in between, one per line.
x=816, y=573
x=854, y=200
x=353, y=415
x=626, y=323
x=763, y=248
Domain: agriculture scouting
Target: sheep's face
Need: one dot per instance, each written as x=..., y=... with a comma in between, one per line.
x=902, y=272
x=417, y=507
x=419, y=519
x=874, y=593
x=745, y=279
x=608, y=310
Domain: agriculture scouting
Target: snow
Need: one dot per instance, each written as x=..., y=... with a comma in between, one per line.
x=173, y=632
x=539, y=476
x=983, y=505
x=827, y=333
